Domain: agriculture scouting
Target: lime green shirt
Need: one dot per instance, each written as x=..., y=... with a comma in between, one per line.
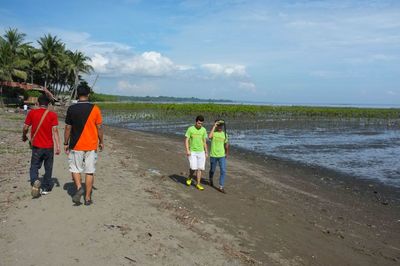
x=196, y=138
x=218, y=144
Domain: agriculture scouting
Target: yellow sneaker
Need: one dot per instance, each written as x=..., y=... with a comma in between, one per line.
x=199, y=187
x=188, y=181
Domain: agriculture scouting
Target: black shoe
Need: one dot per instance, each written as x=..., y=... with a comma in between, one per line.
x=222, y=190
x=76, y=198
x=88, y=202
x=211, y=182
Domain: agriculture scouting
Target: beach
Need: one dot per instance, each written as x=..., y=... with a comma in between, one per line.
x=274, y=213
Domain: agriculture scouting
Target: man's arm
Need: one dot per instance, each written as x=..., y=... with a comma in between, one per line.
x=211, y=134
x=25, y=130
x=205, y=146
x=67, y=134
x=56, y=137
x=226, y=149
x=187, y=146
x=100, y=133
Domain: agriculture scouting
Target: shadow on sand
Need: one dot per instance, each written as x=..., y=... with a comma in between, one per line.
x=182, y=180
x=71, y=188
x=54, y=182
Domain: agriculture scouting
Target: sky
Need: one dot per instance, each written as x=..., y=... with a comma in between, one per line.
x=275, y=51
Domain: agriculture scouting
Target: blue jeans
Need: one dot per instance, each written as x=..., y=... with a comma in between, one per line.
x=39, y=156
x=222, y=168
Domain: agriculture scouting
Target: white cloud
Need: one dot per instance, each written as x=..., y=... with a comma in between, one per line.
x=392, y=93
x=323, y=73
x=128, y=88
x=99, y=63
x=226, y=70
x=148, y=64
x=91, y=47
x=370, y=59
x=248, y=86
x=382, y=57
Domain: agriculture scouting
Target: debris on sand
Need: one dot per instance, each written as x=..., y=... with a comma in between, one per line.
x=124, y=229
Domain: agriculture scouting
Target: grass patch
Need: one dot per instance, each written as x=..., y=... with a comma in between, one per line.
x=16, y=118
x=237, y=111
x=13, y=130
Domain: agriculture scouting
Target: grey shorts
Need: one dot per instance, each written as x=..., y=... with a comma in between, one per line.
x=82, y=161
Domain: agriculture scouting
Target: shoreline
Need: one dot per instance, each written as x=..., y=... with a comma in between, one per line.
x=274, y=212
x=316, y=208
x=329, y=176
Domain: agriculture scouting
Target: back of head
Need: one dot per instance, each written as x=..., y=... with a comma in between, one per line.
x=83, y=90
x=43, y=100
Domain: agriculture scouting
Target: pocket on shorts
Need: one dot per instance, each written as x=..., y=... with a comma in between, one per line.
x=70, y=157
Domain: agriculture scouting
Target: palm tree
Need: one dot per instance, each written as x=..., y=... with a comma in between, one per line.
x=14, y=39
x=12, y=64
x=49, y=56
x=50, y=65
x=78, y=64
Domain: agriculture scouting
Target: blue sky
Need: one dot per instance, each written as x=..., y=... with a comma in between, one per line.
x=292, y=51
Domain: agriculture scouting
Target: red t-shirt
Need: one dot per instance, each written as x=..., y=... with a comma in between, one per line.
x=44, y=137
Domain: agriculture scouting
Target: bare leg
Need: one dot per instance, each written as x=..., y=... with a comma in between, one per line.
x=89, y=179
x=77, y=179
x=191, y=173
x=76, y=198
x=198, y=174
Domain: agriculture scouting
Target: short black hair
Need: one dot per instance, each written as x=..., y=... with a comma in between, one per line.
x=43, y=100
x=83, y=90
x=200, y=118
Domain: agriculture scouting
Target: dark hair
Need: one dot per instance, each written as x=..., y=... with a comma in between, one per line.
x=83, y=90
x=200, y=118
x=43, y=100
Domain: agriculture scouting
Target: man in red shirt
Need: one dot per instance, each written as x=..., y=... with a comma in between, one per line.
x=44, y=128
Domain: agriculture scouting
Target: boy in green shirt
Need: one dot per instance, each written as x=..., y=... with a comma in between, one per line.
x=219, y=152
x=196, y=150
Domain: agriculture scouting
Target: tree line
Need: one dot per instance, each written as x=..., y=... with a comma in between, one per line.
x=49, y=64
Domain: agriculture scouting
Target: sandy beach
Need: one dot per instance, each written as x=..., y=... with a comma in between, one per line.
x=274, y=212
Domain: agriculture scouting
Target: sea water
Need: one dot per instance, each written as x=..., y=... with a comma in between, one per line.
x=363, y=149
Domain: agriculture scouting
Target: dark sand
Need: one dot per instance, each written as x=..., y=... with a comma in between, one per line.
x=274, y=212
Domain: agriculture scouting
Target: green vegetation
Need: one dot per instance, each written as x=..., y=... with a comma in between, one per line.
x=10, y=130
x=99, y=97
x=167, y=99
x=237, y=111
x=51, y=65
x=32, y=93
x=16, y=118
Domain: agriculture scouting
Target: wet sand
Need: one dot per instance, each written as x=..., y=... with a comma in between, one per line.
x=274, y=212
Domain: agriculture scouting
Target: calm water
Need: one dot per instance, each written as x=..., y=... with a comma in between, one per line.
x=364, y=150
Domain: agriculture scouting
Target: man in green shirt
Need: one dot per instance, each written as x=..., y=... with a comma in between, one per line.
x=196, y=150
x=219, y=151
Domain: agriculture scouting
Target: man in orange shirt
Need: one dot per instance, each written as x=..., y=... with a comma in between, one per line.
x=83, y=136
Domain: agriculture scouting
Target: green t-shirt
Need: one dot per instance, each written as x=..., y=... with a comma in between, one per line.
x=196, y=137
x=218, y=144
